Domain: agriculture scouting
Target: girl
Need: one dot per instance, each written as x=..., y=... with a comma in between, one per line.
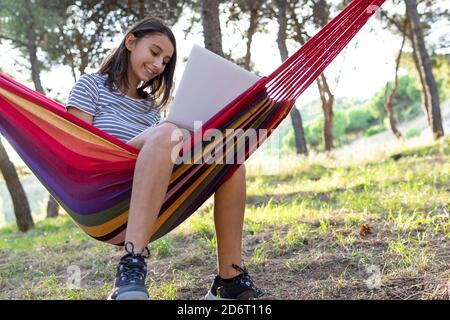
x=116, y=100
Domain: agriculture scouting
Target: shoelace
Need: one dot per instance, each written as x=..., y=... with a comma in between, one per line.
x=132, y=268
x=247, y=280
x=146, y=250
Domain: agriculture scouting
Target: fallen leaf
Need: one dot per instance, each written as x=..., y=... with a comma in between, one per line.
x=365, y=229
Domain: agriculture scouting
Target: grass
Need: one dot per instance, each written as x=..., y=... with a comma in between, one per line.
x=313, y=230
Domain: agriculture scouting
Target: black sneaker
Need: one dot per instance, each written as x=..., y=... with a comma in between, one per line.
x=130, y=276
x=240, y=287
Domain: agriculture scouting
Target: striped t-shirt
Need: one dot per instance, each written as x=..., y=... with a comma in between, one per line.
x=119, y=115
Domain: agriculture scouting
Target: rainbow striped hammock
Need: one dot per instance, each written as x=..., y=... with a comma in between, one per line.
x=90, y=172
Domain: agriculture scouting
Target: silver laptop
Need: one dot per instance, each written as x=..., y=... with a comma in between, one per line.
x=208, y=84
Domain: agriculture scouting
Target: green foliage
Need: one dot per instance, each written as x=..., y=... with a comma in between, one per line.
x=340, y=123
x=412, y=133
x=162, y=247
x=374, y=130
x=370, y=117
x=405, y=103
x=376, y=105
x=16, y=18
x=440, y=149
x=313, y=131
x=441, y=70
x=288, y=140
x=77, y=34
x=50, y=232
x=358, y=119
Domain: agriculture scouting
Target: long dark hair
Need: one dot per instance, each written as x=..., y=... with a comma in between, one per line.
x=116, y=63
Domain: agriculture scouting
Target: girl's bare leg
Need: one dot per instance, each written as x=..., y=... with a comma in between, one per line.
x=151, y=180
x=229, y=208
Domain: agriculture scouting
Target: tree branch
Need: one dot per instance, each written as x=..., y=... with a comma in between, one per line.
x=400, y=28
x=17, y=42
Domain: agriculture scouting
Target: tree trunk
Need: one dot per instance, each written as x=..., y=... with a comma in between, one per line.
x=84, y=56
x=22, y=211
x=74, y=75
x=141, y=9
x=327, y=105
x=211, y=26
x=390, y=111
x=320, y=17
x=299, y=133
x=422, y=60
x=296, y=118
x=389, y=98
x=52, y=206
x=250, y=33
x=32, y=48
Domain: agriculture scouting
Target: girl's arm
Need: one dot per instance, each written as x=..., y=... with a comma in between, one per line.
x=80, y=114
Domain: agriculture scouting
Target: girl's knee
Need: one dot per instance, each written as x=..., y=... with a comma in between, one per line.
x=165, y=135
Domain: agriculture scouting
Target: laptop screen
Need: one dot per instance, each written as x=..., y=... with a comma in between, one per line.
x=208, y=84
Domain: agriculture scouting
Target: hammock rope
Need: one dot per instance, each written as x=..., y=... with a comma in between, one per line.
x=90, y=172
